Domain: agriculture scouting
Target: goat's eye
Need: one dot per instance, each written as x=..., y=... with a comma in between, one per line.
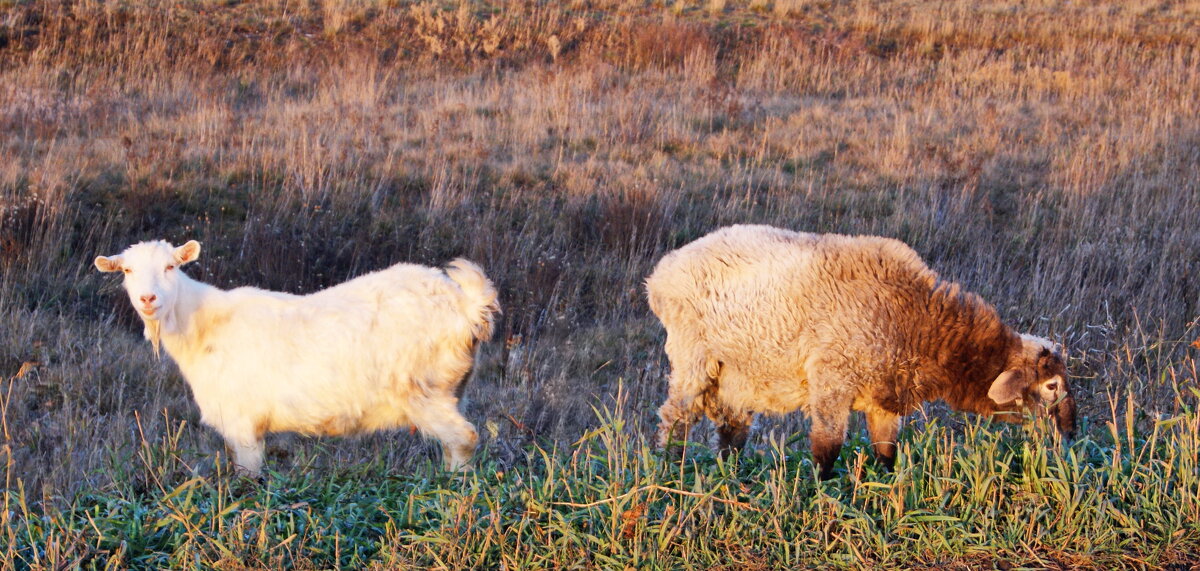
x=127, y=270
x=1052, y=386
x=170, y=267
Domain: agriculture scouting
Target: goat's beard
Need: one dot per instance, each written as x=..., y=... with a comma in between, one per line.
x=163, y=319
x=153, y=332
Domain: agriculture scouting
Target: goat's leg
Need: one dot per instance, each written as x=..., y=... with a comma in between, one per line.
x=247, y=450
x=440, y=419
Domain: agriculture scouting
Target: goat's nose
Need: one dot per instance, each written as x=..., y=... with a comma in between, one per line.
x=149, y=298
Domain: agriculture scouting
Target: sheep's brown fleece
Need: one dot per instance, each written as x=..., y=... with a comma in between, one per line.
x=761, y=319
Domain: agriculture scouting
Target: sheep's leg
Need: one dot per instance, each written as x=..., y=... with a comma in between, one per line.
x=441, y=420
x=883, y=427
x=828, y=435
x=732, y=430
x=677, y=417
x=829, y=408
x=691, y=375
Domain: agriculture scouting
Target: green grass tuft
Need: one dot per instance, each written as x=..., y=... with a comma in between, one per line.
x=1118, y=497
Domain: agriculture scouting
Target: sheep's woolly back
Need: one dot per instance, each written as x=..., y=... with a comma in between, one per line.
x=770, y=308
x=482, y=302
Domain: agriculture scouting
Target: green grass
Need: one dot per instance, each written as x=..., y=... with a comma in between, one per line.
x=984, y=495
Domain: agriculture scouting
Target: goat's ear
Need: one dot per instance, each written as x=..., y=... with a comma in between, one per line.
x=107, y=264
x=1008, y=387
x=188, y=252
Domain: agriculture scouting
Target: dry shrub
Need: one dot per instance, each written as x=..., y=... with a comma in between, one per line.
x=522, y=27
x=344, y=15
x=622, y=224
x=460, y=33
x=663, y=44
x=785, y=8
x=21, y=223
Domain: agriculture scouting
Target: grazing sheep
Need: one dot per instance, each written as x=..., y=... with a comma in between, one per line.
x=384, y=350
x=761, y=319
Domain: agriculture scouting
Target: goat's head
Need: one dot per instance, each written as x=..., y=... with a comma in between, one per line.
x=1036, y=380
x=152, y=278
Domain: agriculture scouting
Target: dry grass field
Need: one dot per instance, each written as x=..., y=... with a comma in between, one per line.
x=1045, y=154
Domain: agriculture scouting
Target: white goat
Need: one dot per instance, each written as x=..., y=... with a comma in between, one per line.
x=384, y=350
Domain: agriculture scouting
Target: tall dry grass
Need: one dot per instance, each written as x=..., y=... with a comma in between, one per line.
x=1045, y=155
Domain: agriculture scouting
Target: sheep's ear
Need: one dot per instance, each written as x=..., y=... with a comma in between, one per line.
x=107, y=264
x=1008, y=387
x=188, y=252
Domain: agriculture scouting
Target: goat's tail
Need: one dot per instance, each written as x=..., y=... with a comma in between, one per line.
x=481, y=305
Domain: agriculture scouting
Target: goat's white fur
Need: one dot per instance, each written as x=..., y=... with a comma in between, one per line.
x=384, y=350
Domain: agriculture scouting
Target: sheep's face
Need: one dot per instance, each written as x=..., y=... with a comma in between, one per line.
x=151, y=274
x=1036, y=380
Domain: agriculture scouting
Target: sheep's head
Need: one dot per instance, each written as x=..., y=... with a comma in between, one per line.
x=152, y=278
x=1036, y=380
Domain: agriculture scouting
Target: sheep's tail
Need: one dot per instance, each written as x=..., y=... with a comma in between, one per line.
x=481, y=305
